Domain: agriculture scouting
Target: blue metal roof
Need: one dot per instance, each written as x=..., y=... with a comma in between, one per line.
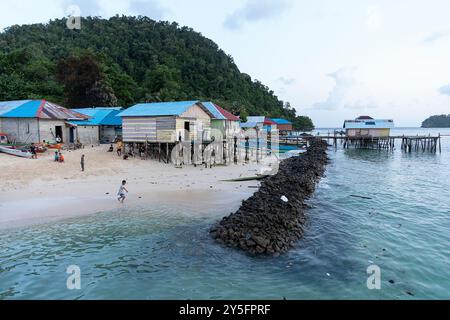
x=214, y=111
x=158, y=109
x=20, y=109
x=281, y=121
x=6, y=106
x=100, y=117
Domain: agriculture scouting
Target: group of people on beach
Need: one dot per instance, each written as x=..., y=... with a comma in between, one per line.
x=59, y=157
x=120, y=151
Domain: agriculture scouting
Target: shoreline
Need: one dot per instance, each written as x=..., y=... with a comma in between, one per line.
x=39, y=191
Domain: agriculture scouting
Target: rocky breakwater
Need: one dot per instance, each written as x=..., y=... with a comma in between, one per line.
x=272, y=220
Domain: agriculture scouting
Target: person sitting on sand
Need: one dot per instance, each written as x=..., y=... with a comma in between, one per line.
x=111, y=148
x=121, y=194
x=78, y=144
x=61, y=157
x=56, y=156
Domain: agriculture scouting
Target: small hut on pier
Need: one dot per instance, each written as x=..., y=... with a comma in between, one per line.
x=368, y=127
x=285, y=127
x=260, y=122
x=32, y=121
x=104, y=125
x=368, y=133
x=224, y=121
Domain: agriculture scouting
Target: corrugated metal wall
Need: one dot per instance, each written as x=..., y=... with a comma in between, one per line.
x=21, y=130
x=107, y=134
x=87, y=135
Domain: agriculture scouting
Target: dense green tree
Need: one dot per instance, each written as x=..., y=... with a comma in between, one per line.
x=303, y=123
x=133, y=59
x=84, y=82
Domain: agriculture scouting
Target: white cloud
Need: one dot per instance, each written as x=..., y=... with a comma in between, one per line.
x=287, y=81
x=108, y=8
x=374, y=18
x=347, y=93
x=445, y=90
x=436, y=36
x=344, y=81
x=361, y=105
x=256, y=10
x=150, y=8
x=87, y=7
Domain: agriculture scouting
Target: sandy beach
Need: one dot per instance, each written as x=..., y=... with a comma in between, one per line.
x=38, y=191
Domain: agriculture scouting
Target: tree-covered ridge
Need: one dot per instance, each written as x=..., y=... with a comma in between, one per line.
x=442, y=121
x=138, y=60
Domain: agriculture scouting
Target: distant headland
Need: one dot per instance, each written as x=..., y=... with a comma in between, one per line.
x=442, y=121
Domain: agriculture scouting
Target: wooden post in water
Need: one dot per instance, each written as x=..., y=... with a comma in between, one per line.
x=440, y=149
x=235, y=150
x=247, y=147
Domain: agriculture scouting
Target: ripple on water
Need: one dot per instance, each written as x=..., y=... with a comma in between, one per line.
x=166, y=253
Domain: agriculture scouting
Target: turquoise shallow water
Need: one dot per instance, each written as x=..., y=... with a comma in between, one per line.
x=164, y=253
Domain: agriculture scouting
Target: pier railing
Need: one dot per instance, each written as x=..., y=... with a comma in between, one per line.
x=408, y=143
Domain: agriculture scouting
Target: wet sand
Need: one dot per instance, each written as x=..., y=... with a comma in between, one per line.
x=39, y=191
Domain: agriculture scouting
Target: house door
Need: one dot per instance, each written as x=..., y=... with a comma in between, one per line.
x=187, y=131
x=59, y=133
x=72, y=134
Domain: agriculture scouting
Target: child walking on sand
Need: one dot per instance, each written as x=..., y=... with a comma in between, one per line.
x=121, y=194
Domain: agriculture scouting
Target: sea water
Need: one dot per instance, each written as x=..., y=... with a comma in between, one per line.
x=373, y=208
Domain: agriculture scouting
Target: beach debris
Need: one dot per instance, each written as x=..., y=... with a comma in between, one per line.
x=361, y=197
x=284, y=199
x=243, y=179
x=328, y=275
x=409, y=293
x=391, y=281
x=279, y=225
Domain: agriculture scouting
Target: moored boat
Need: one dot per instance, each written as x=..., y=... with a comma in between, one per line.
x=15, y=152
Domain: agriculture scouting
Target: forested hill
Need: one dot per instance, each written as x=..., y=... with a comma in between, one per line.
x=442, y=121
x=126, y=60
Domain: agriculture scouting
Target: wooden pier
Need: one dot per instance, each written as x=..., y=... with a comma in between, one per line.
x=408, y=143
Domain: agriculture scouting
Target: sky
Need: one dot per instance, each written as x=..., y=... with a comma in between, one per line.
x=331, y=59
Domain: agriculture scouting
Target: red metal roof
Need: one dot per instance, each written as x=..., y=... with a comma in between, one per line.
x=364, y=118
x=227, y=114
x=269, y=122
x=50, y=110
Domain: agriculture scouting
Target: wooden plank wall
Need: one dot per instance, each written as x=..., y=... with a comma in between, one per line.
x=139, y=129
